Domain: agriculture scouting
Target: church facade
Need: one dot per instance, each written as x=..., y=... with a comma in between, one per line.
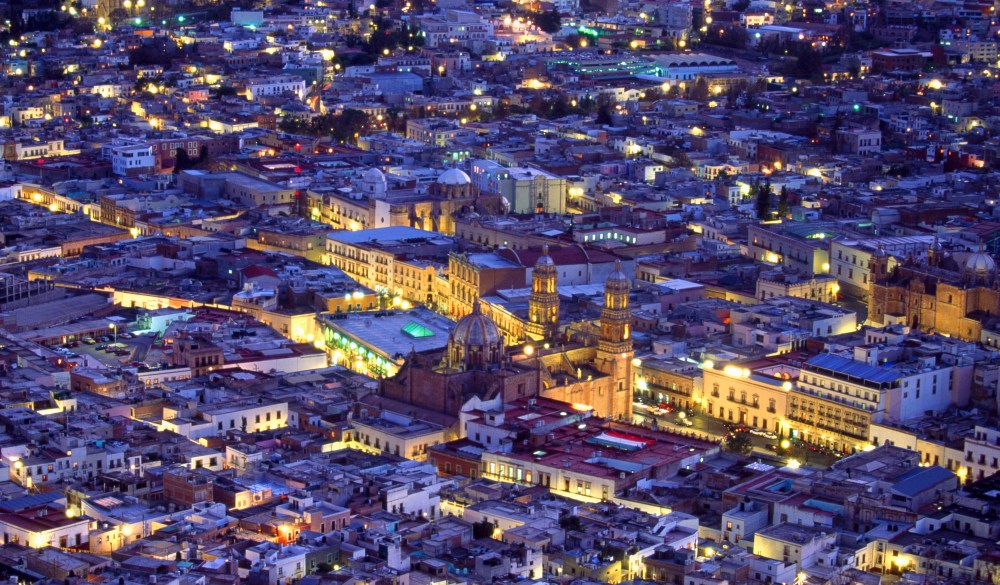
x=942, y=296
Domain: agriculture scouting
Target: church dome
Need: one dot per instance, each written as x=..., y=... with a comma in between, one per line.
x=476, y=329
x=476, y=341
x=454, y=177
x=980, y=264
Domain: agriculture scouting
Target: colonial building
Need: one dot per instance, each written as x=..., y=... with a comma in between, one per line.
x=476, y=363
x=946, y=295
x=372, y=202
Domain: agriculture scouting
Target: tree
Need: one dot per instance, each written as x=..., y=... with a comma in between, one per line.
x=482, y=529
x=738, y=442
x=549, y=21
x=604, y=102
x=570, y=522
x=809, y=63
x=853, y=65
x=699, y=92
x=348, y=124
x=762, y=203
x=182, y=160
x=783, y=206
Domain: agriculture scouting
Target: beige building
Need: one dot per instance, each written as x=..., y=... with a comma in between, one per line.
x=394, y=261
x=397, y=435
x=753, y=394
x=822, y=287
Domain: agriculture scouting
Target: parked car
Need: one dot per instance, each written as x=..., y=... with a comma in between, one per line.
x=90, y=340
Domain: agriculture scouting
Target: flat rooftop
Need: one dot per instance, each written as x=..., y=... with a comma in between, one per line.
x=395, y=333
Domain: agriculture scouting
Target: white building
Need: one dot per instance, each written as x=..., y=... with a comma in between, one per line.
x=264, y=87
x=129, y=160
x=803, y=545
x=859, y=141
x=411, y=488
x=397, y=434
x=250, y=418
x=276, y=563
x=49, y=465
x=689, y=66
x=455, y=28
x=45, y=526
x=38, y=149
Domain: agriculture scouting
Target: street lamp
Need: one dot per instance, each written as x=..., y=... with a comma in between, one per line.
x=114, y=331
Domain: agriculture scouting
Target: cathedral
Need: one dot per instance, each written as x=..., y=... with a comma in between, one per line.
x=955, y=295
x=476, y=364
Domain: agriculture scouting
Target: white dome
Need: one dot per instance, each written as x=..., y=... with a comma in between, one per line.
x=980, y=263
x=454, y=177
x=373, y=182
x=373, y=175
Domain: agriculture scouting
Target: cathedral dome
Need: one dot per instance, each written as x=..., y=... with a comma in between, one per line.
x=980, y=264
x=476, y=342
x=454, y=177
x=476, y=329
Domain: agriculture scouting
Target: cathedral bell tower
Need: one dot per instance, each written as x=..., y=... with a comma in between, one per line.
x=543, y=305
x=614, y=346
